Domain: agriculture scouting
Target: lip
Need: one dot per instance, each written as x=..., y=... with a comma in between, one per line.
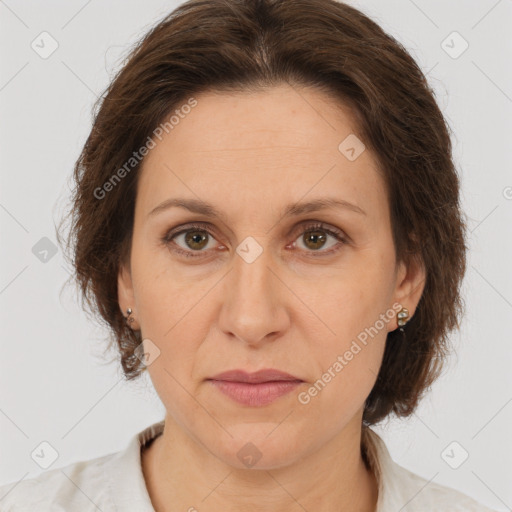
x=255, y=389
x=265, y=375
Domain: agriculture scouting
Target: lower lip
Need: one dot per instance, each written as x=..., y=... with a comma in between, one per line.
x=255, y=394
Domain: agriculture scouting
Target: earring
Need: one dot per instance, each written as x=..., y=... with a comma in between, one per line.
x=402, y=316
x=129, y=312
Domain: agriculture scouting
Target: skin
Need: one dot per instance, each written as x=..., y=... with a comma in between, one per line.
x=250, y=155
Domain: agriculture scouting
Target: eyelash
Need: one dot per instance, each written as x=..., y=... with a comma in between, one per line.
x=170, y=235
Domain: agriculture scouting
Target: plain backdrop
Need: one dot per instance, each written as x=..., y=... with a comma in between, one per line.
x=54, y=384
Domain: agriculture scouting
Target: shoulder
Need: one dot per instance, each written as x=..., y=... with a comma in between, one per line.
x=77, y=486
x=401, y=489
x=111, y=482
x=420, y=494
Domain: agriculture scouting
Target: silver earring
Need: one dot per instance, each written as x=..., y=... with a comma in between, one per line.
x=402, y=316
x=129, y=312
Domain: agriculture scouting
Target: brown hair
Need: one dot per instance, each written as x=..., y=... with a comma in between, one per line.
x=241, y=45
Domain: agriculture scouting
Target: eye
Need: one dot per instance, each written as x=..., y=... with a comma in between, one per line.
x=315, y=235
x=194, y=240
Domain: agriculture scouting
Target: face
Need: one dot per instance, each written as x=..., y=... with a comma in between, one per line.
x=307, y=291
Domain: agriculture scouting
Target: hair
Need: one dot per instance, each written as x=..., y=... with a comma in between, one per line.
x=249, y=45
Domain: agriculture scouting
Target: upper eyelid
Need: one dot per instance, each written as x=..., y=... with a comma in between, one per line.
x=204, y=225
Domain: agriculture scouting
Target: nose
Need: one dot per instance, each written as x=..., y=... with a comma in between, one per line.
x=254, y=307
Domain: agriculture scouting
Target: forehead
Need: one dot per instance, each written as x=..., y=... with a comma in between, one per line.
x=277, y=118
x=265, y=148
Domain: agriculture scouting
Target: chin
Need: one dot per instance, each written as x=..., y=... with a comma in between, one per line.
x=258, y=446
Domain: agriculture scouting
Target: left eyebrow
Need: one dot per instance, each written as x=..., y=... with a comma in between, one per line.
x=298, y=208
x=322, y=203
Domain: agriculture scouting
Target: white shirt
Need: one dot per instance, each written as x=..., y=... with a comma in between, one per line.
x=115, y=482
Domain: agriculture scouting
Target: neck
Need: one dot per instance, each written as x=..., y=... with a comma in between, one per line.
x=181, y=474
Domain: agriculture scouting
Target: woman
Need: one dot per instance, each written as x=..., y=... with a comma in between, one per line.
x=267, y=216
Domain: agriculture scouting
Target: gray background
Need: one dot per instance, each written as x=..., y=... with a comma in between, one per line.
x=54, y=384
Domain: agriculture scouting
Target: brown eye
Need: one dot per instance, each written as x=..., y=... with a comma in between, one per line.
x=314, y=239
x=196, y=240
x=191, y=241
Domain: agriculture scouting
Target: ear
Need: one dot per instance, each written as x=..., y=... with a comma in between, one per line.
x=125, y=293
x=410, y=283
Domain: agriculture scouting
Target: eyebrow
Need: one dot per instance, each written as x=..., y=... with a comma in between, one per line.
x=204, y=208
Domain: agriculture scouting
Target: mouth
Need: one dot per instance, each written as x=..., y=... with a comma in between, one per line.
x=255, y=389
x=266, y=375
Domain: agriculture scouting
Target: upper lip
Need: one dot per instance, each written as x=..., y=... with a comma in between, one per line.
x=266, y=375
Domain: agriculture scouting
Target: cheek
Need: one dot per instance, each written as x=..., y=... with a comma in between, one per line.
x=349, y=369
x=354, y=307
x=179, y=336
x=165, y=293
x=353, y=298
x=176, y=317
